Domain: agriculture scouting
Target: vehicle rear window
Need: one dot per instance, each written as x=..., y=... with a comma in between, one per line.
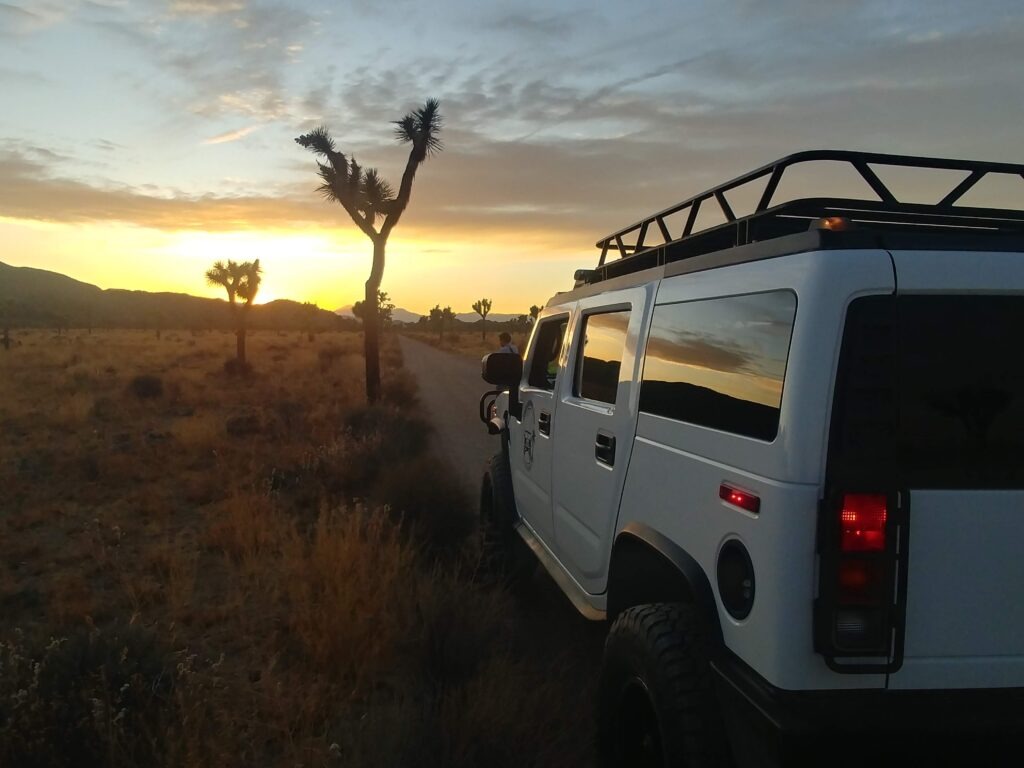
x=931, y=391
x=720, y=363
x=604, y=341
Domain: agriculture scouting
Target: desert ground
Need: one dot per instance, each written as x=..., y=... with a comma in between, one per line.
x=204, y=569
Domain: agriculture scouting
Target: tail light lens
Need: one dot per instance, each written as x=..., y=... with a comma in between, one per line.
x=857, y=593
x=862, y=522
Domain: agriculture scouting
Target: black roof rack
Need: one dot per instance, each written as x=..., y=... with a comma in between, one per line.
x=887, y=213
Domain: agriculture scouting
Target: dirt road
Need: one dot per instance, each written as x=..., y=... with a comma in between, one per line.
x=450, y=389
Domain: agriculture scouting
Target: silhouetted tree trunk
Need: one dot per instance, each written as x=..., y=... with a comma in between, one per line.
x=371, y=322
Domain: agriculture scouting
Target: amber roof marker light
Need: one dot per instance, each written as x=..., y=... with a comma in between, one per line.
x=832, y=223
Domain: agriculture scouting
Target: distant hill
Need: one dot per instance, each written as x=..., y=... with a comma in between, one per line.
x=37, y=298
x=398, y=314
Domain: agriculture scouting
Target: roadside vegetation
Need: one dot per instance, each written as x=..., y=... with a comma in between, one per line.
x=199, y=569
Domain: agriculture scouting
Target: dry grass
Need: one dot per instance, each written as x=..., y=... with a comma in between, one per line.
x=251, y=570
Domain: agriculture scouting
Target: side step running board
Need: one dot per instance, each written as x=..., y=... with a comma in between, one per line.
x=571, y=589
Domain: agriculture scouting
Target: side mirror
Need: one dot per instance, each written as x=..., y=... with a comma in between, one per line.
x=502, y=369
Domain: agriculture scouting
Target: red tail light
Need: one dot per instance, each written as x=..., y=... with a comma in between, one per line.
x=858, y=591
x=862, y=522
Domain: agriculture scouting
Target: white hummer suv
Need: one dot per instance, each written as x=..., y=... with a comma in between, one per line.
x=783, y=457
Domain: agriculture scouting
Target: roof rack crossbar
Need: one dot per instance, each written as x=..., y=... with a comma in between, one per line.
x=874, y=182
x=631, y=241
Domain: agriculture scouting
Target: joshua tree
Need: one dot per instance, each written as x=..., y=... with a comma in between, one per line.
x=365, y=196
x=311, y=312
x=437, y=320
x=534, y=311
x=447, y=318
x=241, y=281
x=482, y=308
x=8, y=312
x=384, y=309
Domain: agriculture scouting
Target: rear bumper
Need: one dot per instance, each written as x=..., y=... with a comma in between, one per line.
x=767, y=721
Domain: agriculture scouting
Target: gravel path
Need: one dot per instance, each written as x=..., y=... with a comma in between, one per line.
x=450, y=389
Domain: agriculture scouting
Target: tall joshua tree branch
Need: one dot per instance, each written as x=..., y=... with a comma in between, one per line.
x=366, y=197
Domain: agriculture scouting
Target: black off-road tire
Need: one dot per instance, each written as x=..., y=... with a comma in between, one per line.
x=504, y=555
x=656, y=706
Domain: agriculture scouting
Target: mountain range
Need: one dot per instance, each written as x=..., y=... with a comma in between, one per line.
x=37, y=298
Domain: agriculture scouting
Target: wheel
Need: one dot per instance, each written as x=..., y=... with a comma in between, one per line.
x=656, y=707
x=503, y=554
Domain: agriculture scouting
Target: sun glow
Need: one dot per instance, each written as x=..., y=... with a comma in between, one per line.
x=321, y=268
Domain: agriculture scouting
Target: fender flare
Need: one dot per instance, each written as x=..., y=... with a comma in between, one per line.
x=648, y=566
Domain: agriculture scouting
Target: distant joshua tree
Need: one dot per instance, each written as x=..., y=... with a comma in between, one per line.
x=365, y=196
x=384, y=309
x=437, y=320
x=483, y=308
x=534, y=312
x=311, y=312
x=447, y=318
x=7, y=315
x=241, y=281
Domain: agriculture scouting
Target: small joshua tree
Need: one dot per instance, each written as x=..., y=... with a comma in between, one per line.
x=437, y=320
x=8, y=311
x=241, y=281
x=483, y=308
x=448, y=318
x=384, y=309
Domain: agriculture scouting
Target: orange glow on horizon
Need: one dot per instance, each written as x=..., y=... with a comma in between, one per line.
x=327, y=267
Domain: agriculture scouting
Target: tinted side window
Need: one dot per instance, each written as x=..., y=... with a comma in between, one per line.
x=720, y=363
x=604, y=340
x=548, y=346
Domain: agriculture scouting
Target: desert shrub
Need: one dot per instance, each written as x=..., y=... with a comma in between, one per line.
x=428, y=497
x=290, y=417
x=375, y=440
x=105, y=409
x=351, y=602
x=235, y=367
x=91, y=698
x=328, y=354
x=400, y=435
x=146, y=386
x=399, y=388
x=244, y=424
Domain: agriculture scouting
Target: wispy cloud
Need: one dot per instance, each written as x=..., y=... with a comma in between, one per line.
x=19, y=20
x=205, y=7
x=235, y=135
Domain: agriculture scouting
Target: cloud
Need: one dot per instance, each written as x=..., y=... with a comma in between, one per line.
x=690, y=349
x=21, y=77
x=30, y=191
x=14, y=19
x=547, y=26
x=235, y=135
x=205, y=7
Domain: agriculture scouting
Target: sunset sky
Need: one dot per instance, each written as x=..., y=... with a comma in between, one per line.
x=142, y=140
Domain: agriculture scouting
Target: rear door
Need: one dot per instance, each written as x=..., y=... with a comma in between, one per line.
x=595, y=428
x=960, y=449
